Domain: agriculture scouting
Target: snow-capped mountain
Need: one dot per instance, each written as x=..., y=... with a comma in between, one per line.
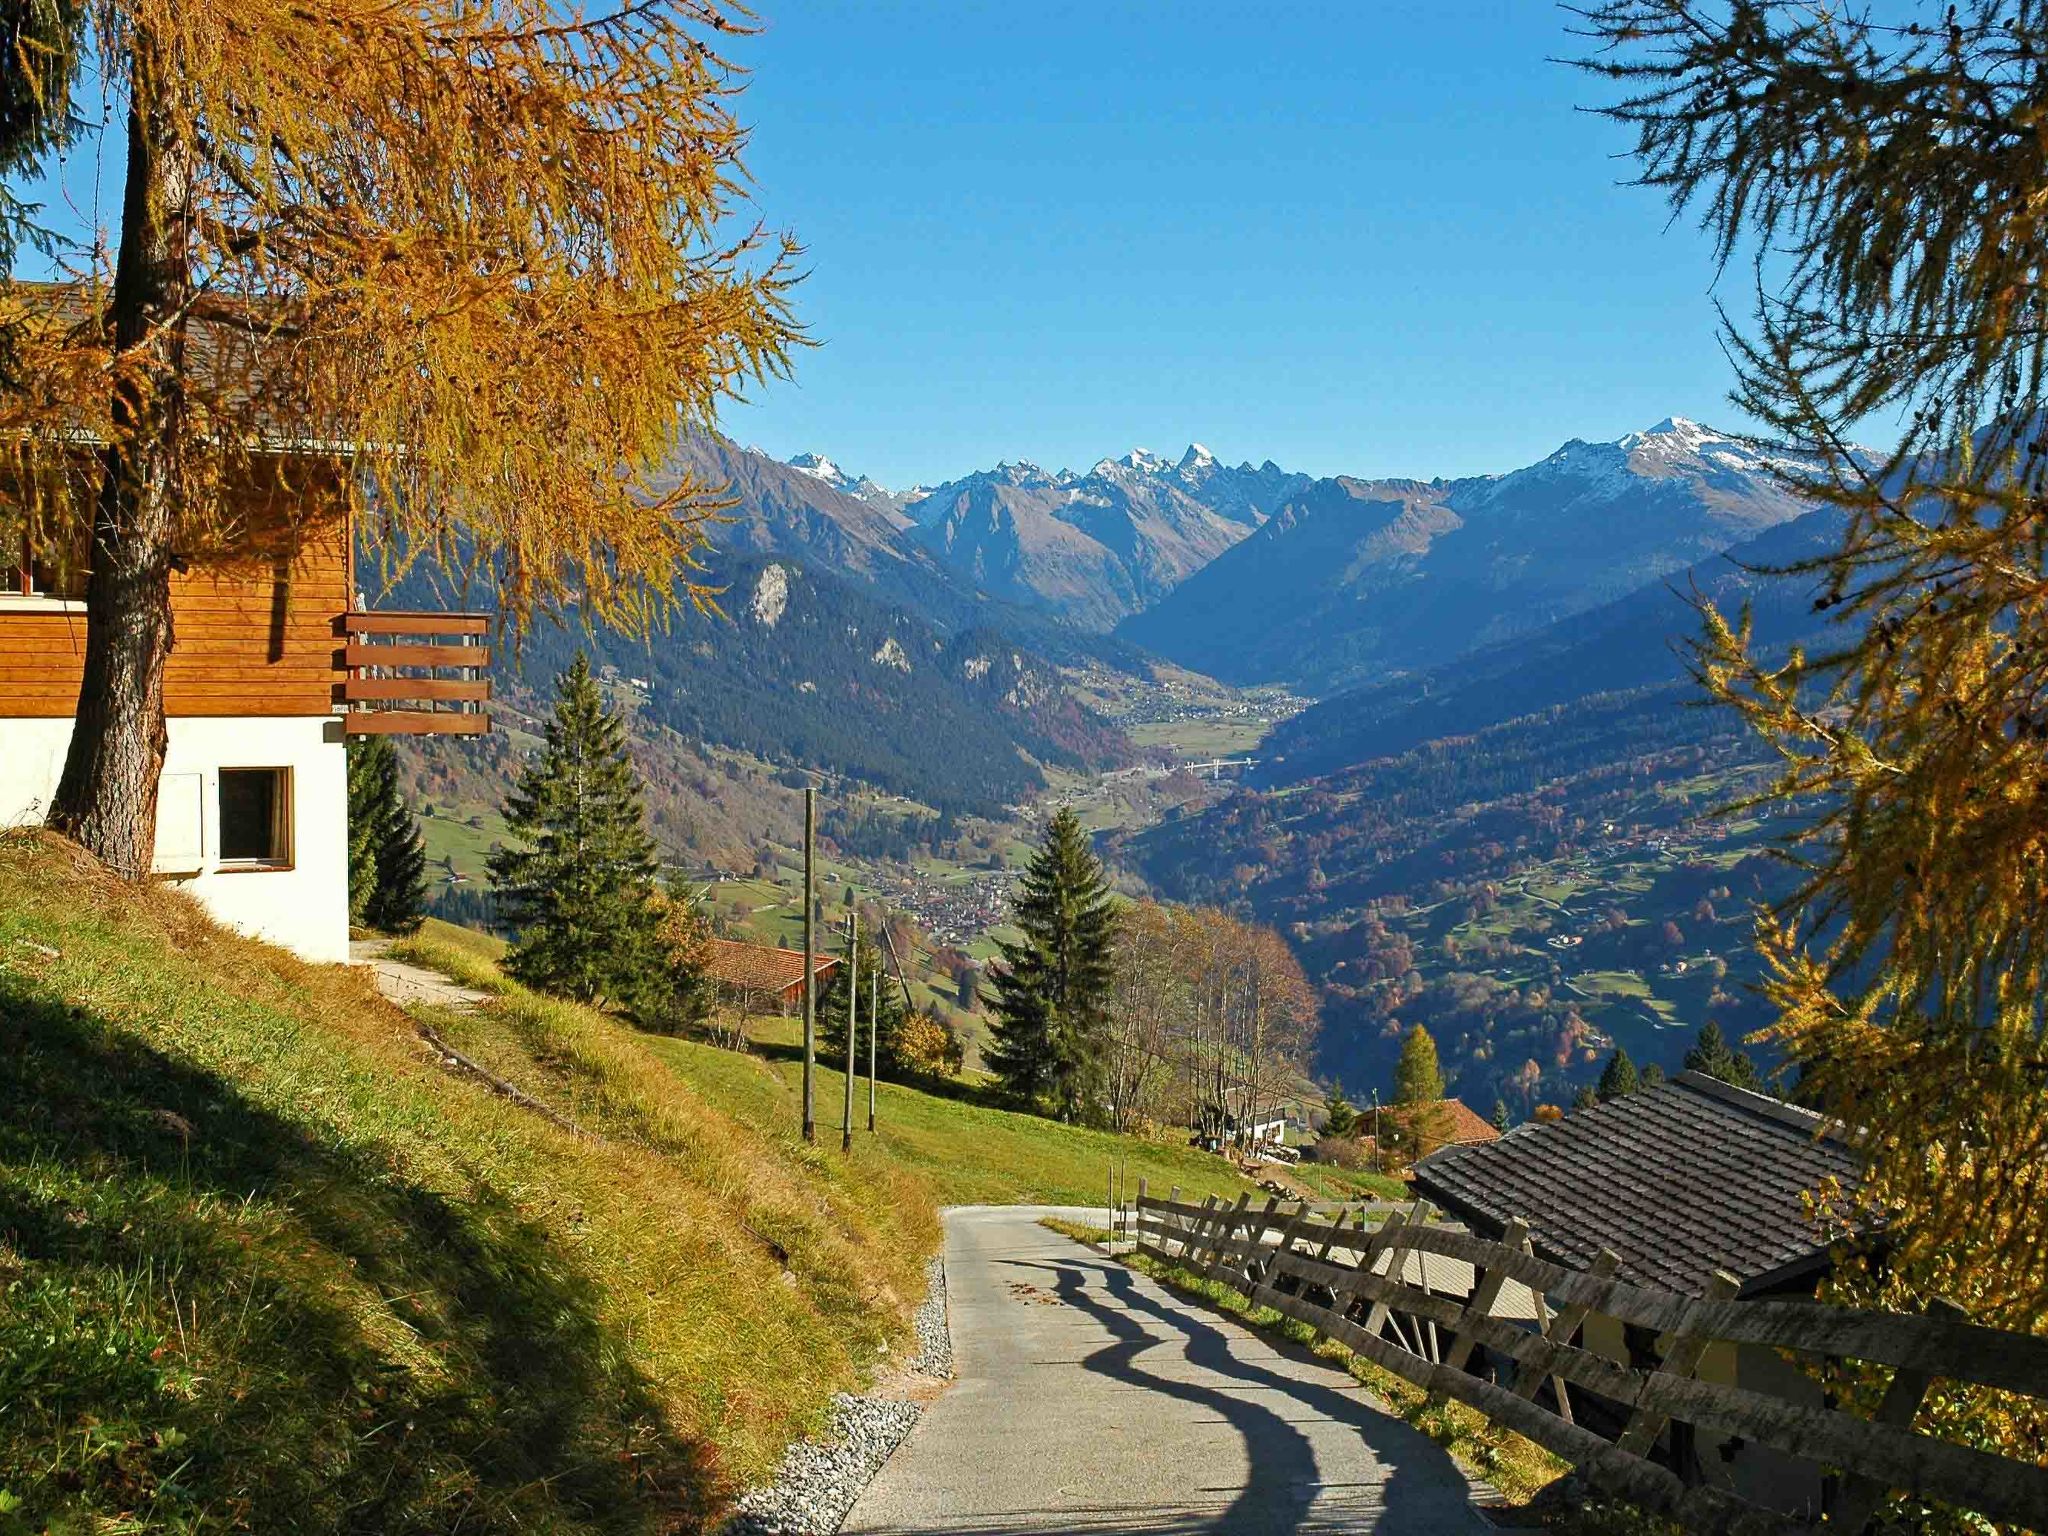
x=820, y=468
x=1352, y=579
x=1098, y=546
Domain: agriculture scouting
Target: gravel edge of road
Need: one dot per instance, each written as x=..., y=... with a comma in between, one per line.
x=819, y=1480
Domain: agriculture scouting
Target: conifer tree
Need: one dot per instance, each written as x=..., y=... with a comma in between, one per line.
x=1712, y=1054
x=387, y=861
x=581, y=893
x=876, y=990
x=1339, y=1118
x=1418, y=1076
x=1889, y=161
x=1424, y=1122
x=1619, y=1078
x=1052, y=987
x=362, y=831
x=1502, y=1120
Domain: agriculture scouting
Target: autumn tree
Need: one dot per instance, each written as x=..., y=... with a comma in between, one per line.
x=1894, y=171
x=1421, y=1123
x=1149, y=1009
x=679, y=995
x=481, y=255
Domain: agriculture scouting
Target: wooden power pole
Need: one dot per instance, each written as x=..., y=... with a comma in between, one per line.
x=852, y=1026
x=810, y=964
x=874, y=1023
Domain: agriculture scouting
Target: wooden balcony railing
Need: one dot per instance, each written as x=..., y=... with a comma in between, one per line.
x=415, y=673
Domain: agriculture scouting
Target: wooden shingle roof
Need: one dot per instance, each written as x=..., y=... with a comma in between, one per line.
x=761, y=968
x=1681, y=1179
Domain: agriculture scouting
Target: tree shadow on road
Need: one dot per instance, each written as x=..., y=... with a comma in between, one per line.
x=1420, y=1488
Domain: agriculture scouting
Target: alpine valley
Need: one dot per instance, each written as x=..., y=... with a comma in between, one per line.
x=1446, y=724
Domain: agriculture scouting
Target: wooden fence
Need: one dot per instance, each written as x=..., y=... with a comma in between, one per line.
x=1325, y=1268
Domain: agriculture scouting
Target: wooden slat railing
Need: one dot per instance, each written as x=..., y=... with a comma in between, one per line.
x=1289, y=1260
x=415, y=673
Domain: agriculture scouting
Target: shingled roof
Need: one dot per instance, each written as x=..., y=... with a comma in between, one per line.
x=762, y=968
x=1681, y=1179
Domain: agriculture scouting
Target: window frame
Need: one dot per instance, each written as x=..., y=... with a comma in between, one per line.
x=26, y=596
x=282, y=822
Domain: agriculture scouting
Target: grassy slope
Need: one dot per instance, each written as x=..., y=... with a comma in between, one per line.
x=265, y=1264
x=963, y=1150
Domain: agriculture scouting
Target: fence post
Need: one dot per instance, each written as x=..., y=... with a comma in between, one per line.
x=1861, y=1494
x=1681, y=1359
x=1191, y=1230
x=852, y=1026
x=1224, y=1229
x=1484, y=1295
x=1559, y=1328
x=1388, y=1242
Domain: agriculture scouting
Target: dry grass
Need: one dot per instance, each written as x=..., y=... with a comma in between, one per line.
x=266, y=1263
x=955, y=1143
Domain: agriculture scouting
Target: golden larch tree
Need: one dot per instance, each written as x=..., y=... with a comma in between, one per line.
x=1888, y=177
x=482, y=254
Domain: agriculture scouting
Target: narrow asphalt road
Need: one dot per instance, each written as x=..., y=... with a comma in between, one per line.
x=1091, y=1399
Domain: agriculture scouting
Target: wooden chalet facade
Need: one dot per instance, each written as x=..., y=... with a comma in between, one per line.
x=274, y=664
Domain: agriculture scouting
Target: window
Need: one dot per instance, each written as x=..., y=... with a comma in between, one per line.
x=24, y=573
x=256, y=816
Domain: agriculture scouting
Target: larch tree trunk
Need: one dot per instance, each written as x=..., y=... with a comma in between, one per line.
x=107, y=796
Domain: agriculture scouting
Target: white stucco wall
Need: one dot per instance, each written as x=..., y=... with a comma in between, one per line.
x=304, y=908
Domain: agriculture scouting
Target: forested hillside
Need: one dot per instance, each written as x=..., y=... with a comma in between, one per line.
x=1532, y=893
x=804, y=668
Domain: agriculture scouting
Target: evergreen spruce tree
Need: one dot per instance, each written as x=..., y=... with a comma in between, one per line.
x=581, y=894
x=1619, y=1077
x=387, y=861
x=362, y=829
x=1713, y=1055
x=1339, y=1118
x=1052, y=987
x=1502, y=1120
x=876, y=987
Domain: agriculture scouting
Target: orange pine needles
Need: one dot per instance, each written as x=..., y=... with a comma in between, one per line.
x=486, y=248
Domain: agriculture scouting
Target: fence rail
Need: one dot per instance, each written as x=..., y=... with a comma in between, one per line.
x=1326, y=1268
x=414, y=673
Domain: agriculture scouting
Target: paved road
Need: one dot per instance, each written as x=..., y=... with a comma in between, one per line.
x=407, y=984
x=1091, y=1399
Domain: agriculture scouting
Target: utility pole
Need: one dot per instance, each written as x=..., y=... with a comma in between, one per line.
x=810, y=964
x=874, y=1024
x=852, y=1026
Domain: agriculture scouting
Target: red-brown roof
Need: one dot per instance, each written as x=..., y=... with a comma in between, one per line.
x=1452, y=1123
x=760, y=968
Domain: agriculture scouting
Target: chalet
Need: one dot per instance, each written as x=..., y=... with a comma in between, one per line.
x=1684, y=1182
x=1445, y=1123
x=754, y=973
x=275, y=664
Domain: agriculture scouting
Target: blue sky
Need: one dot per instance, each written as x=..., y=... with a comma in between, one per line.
x=1374, y=237
x=1371, y=237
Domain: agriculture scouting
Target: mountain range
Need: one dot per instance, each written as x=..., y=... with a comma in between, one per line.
x=1352, y=579
x=1258, y=574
